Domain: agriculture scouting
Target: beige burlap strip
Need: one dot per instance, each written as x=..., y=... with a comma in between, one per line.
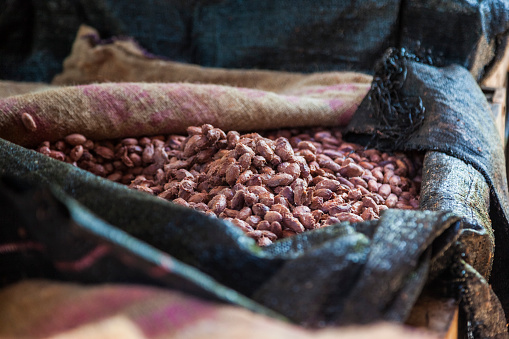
x=45, y=309
x=113, y=110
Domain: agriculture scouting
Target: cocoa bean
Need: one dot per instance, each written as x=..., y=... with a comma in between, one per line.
x=244, y=213
x=242, y=225
x=260, y=209
x=359, y=182
x=289, y=168
x=292, y=223
x=317, y=214
x=373, y=186
x=299, y=210
x=369, y=214
x=76, y=153
x=307, y=220
x=341, y=208
x=308, y=155
x=368, y=202
x=280, y=179
x=345, y=182
x=306, y=145
x=104, y=152
x=366, y=165
x=351, y=170
x=271, y=216
x=324, y=193
x=345, y=216
x=75, y=139
x=326, y=162
x=355, y=194
x=384, y=190
x=329, y=184
x=283, y=149
x=253, y=220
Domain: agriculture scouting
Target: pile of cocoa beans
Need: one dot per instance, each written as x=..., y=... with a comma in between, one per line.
x=272, y=186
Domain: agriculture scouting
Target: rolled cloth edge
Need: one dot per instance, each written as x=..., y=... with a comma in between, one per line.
x=114, y=110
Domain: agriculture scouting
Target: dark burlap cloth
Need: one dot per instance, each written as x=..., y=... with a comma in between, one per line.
x=292, y=35
x=414, y=106
x=309, y=278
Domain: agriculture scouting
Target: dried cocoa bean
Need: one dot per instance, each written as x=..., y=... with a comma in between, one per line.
x=280, y=179
x=232, y=173
x=324, y=193
x=355, y=194
x=104, y=152
x=345, y=216
x=75, y=139
x=308, y=155
x=57, y=155
x=244, y=213
x=267, y=198
x=307, y=220
x=299, y=210
x=329, y=184
x=359, y=182
x=346, y=182
x=292, y=223
x=339, y=208
x=198, y=197
x=245, y=161
x=237, y=202
x=351, y=170
x=271, y=216
x=291, y=168
x=377, y=173
x=317, y=214
x=384, y=190
x=244, y=176
x=327, y=162
x=196, y=143
x=76, y=153
x=316, y=203
x=283, y=149
x=369, y=214
x=306, y=145
x=253, y=220
x=368, y=202
x=242, y=225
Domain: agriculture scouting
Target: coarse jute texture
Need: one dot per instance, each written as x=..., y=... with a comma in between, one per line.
x=136, y=312
x=240, y=100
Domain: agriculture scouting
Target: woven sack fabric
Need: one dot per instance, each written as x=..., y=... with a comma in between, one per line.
x=60, y=216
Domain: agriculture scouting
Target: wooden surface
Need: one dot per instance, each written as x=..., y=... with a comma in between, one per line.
x=495, y=86
x=497, y=98
x=498, y=77
x=439, y=315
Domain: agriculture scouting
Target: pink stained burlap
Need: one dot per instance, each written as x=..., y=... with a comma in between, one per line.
x=125, y=92
x=46, y=309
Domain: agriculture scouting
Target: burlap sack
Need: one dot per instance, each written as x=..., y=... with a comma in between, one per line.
x=240, y=100
x=140, y=312
x=328, y=277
